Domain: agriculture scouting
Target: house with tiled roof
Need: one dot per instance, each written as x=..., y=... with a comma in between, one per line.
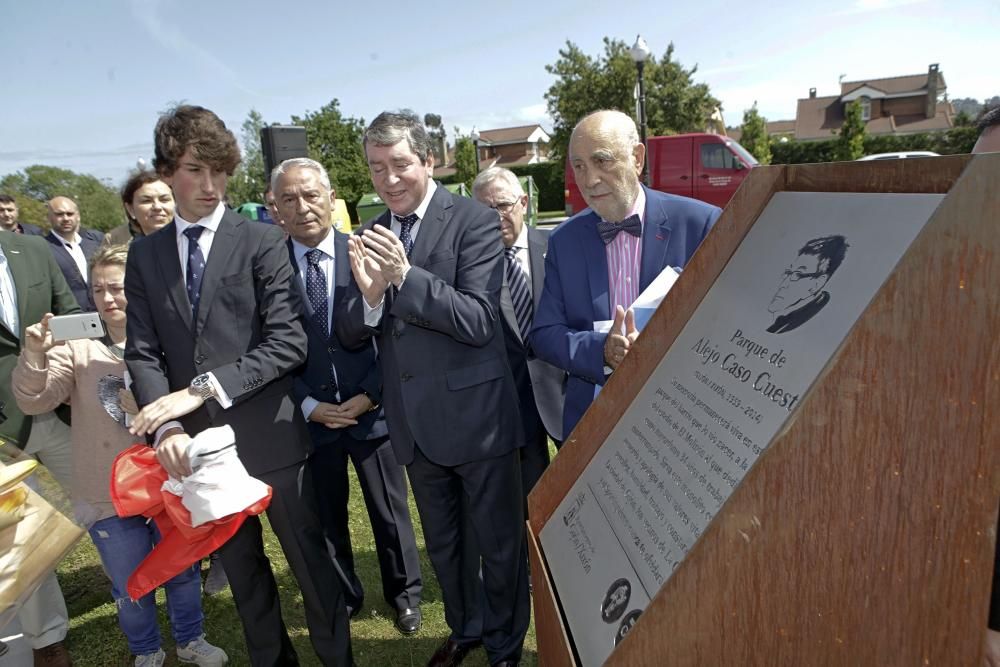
x=506, y=147
x=512, y=146
x=893, y=105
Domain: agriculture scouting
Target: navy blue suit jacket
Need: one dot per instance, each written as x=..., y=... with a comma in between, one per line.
x=90, y=241
x=576, y=292
x=357, y=370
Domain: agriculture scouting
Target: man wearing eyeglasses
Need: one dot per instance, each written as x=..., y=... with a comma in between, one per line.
x=800, y=294
x=539, y=384
x=601, y=259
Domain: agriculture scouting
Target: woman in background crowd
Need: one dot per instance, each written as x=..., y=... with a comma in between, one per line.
x=149, y=205
x=89, y=373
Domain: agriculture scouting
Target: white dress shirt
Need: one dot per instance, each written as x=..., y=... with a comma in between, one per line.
x=521, y=244
x=211, y=225
x=328, y=264
x=76, y=252
x=8, y=297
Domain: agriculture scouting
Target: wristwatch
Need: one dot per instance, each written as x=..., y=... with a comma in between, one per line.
x=375, y=404
x=201, y=385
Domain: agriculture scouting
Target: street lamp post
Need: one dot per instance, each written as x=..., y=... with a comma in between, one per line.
x=475, y=143
x=640, y=54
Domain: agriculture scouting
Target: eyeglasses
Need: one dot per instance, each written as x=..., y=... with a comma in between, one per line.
x=505, y=207
x=795, y=276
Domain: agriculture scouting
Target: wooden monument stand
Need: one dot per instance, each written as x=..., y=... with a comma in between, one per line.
x=865, y=532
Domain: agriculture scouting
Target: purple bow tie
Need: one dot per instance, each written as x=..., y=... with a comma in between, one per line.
x=609, y=230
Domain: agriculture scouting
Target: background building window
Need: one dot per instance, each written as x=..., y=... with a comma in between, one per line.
x=866, y=108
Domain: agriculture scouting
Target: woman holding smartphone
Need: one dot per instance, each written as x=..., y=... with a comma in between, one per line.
x=89, y=373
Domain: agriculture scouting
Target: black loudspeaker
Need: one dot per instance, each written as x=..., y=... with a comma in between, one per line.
x=280, y=142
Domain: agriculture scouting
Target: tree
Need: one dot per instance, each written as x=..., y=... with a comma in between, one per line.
x=438, y=136
x=674, y=103
x=100, y=204
x=249, y=182
x=753, y=135
x=335, y=142
x=466, y=162
x=851, y=137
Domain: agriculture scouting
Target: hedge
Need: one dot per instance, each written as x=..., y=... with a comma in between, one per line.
x=955, y=140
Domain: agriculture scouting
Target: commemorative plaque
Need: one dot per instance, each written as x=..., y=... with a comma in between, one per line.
x=768, y=325
x=807, y=300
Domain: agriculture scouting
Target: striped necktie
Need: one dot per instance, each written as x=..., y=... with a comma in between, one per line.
x=520, y=295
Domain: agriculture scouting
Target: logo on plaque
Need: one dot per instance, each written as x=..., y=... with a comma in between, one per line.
x=616, y=600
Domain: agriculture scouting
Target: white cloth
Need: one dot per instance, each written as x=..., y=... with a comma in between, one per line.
x=220, y=485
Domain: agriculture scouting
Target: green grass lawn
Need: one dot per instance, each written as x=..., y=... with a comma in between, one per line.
x=95, y=640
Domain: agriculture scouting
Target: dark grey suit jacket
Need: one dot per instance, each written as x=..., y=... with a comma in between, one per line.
x=90, y=241
x=446, y=383
x=547, y=383
x=41, y=288
x=249, y=333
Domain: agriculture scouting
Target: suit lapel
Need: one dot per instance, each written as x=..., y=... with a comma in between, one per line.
x=536, y=258
x=223, y=245
x=655, y=239
x=507, y=305
x=168, y=260
x=432, y=225
x=341, y=271
x=597, y=267
x=60, y=251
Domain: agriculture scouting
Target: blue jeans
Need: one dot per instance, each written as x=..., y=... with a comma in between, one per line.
x=122, y=545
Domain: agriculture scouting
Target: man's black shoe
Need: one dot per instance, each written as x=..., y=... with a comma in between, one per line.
x=408, y=620
x=450, y=654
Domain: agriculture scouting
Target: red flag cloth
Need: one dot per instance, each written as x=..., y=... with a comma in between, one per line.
x=136, y=482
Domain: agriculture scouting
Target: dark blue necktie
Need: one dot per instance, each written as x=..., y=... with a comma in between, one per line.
x=318, y=293
x=405, y=225
x=316, y=290
x=195, y=267
x=517, y=283
x=609, y=230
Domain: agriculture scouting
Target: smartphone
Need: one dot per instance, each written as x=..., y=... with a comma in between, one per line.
x=80, y=325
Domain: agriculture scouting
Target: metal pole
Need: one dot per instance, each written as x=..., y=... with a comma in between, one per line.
x=640, y=66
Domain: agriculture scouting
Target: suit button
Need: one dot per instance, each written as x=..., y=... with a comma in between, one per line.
x=323, y=387
x=200, y=359
x=330, y=350
x=405, y=376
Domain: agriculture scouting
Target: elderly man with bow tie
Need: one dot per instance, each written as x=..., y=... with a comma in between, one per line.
x=601, y=259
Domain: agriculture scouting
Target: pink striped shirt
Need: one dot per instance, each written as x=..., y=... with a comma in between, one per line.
x=624, y=258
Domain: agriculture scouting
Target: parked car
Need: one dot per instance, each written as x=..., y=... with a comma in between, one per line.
x=898, y=155
x=704, y=166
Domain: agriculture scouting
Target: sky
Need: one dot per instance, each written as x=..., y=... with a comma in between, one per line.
x=85, y=81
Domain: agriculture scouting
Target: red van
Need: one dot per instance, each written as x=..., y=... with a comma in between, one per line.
x=703, y=166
